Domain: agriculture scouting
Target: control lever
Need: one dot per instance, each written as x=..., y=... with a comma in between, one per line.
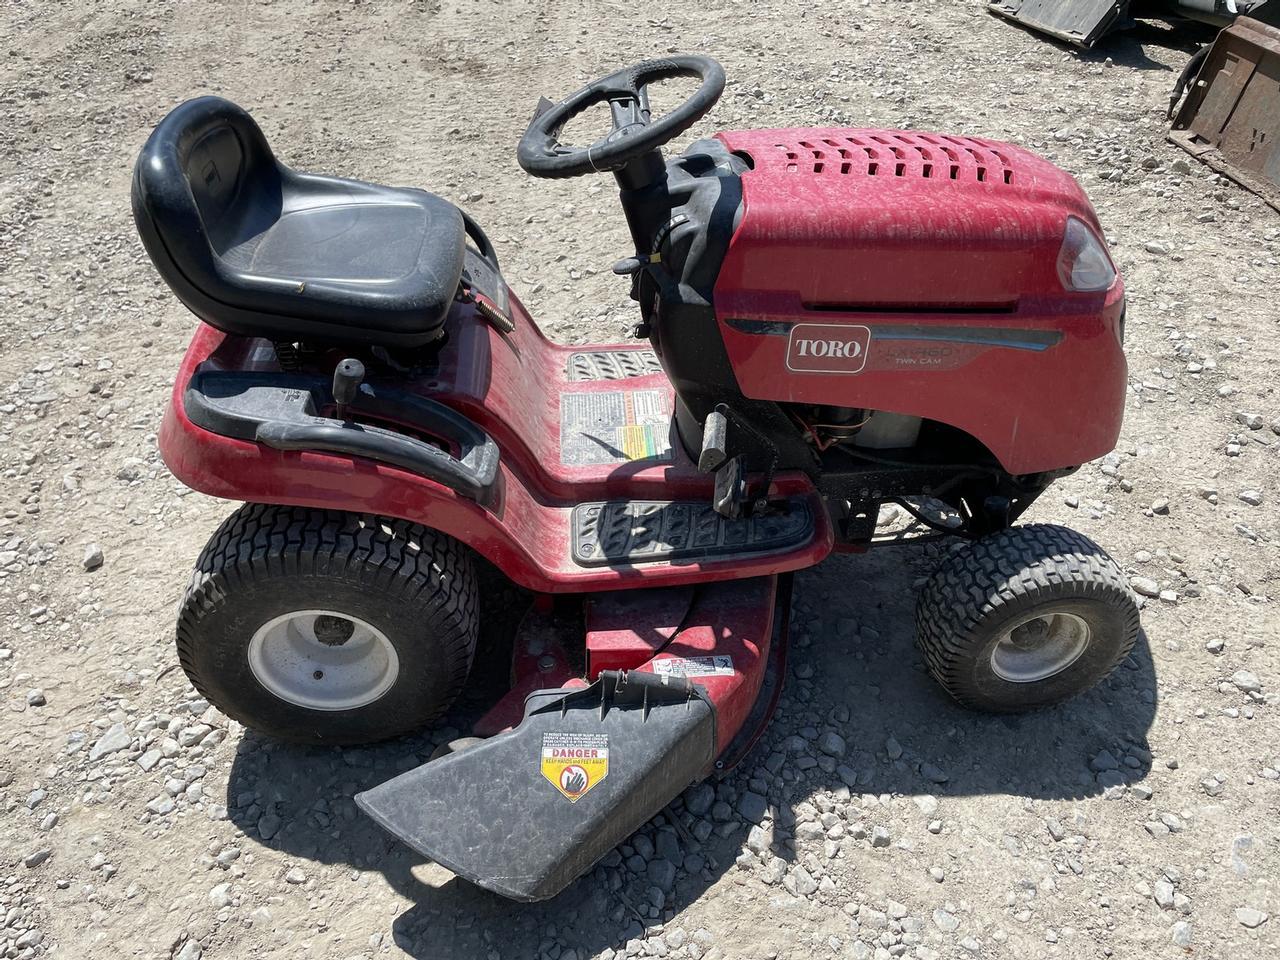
x=714, y=431
x=730, y=499
x=630, y=265
x=347, y=377
x=731, y=490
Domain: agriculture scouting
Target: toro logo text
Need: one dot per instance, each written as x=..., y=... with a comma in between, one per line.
x=828, y=348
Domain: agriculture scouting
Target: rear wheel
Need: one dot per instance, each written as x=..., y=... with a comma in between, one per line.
x=324, y=627
x=1025, y=618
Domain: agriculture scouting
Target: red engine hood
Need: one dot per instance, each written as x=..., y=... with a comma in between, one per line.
x=924, y=268
x=886, y=218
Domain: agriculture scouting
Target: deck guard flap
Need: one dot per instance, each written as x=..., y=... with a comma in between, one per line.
x=527, y=812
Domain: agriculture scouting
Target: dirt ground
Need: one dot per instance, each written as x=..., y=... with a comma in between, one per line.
x=1142, y=820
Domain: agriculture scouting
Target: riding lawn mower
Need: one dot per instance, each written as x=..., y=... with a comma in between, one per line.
x=832, y=322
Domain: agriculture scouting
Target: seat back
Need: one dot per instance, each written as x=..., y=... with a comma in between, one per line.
x=256, y=249
x=206, y=180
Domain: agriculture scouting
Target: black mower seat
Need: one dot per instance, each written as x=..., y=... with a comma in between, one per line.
x=253, y=248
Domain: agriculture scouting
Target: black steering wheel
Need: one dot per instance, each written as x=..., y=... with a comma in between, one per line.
x=634, y=131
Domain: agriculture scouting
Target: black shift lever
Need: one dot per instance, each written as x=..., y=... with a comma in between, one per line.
x=347, y=377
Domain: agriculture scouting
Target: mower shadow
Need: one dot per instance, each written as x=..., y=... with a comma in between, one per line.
x=1042, y=754
x=854, y=671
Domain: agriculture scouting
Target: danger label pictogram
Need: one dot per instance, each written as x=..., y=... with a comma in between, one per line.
x=575, y=762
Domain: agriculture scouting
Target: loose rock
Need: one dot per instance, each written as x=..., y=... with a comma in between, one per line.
x=113, y=741
x=1145, y=586
x=1250, y=917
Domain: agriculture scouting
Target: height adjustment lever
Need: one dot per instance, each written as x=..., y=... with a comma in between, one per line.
x=714, y=436
x=347, y=377
x=731, y=487
x=731, y=490
x=732, y=498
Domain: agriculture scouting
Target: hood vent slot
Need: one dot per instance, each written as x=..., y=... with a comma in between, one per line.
x=923, y=156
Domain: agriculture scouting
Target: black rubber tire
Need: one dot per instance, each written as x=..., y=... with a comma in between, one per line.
x=416, y=585
x=987, y=585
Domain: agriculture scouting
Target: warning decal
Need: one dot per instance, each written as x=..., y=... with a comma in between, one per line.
x=575, y=762
x=694, y=666
x=614, y=426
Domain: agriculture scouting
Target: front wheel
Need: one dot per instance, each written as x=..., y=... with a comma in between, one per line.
x=1025, y=618
x=323, y=627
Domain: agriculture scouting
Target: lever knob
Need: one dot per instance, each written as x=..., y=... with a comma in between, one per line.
x=347, y=377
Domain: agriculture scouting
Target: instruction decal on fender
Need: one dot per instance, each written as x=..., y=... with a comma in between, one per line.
x=694, y=666
x=615, y=426
x=575, y=762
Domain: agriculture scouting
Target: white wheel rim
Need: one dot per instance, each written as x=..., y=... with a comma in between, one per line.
x=1039, y=647
x=353, y=665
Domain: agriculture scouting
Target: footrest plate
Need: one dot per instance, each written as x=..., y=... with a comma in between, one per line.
x=612, y=365
x=646, y=531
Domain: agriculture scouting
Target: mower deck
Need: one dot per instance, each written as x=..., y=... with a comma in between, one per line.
x=569, y=772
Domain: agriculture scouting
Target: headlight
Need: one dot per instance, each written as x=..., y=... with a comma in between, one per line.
x=1083, y=264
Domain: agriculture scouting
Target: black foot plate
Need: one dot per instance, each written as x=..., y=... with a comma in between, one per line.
x=645, y=531
x=613, y=365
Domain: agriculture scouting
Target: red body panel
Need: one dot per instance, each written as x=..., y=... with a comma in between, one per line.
x=940, y=254
x=733, y=622
x=538, y=662
x=729, y=624
x=625, y=630
x=512, y=387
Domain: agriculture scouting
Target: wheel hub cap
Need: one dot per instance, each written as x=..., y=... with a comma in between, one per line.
x=1039, y=647
x=323, y=660
x=333, y=631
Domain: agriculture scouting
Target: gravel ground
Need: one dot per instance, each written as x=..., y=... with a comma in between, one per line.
x=876, y=819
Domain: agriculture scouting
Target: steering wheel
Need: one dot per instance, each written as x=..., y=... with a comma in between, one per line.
x=634, y=131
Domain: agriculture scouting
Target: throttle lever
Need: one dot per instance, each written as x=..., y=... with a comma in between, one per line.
x=630, y=265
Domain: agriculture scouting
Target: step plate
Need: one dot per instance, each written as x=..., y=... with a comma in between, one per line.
x=612, y=365
x=647, y=531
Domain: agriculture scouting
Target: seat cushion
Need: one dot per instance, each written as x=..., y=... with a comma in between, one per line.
x=254, y=248
x=343, y=243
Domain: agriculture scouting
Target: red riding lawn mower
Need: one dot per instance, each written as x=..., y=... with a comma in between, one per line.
x=834, y=320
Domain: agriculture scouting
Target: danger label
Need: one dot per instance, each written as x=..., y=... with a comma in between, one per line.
x=573, y=763
x=694, y=667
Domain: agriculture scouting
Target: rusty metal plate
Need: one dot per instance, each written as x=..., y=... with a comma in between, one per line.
x=1231, y=117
